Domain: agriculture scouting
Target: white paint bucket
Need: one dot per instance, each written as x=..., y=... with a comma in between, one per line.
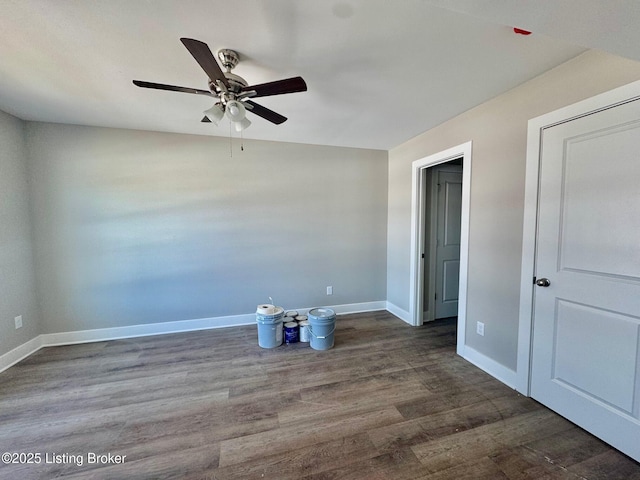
x=305, y=335
x=322, y=326
x=269, y=321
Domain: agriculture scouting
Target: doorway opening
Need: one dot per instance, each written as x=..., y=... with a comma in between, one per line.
x=452, y=169
x=441, y=240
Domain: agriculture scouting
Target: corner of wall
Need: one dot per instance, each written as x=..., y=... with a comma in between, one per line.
x=16, y=243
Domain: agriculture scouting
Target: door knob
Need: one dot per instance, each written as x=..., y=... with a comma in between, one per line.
x=543, y=282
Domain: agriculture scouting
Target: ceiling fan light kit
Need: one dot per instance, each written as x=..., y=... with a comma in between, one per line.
x=232, y=91
x=235, y=110
x=215, y=114
x=242, y=124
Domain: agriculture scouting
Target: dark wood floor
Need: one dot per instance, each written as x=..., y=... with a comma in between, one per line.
x=388, y=402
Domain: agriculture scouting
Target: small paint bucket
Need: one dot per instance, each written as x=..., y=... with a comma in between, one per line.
x=291, y=313
x=291, y=332
x=305, y=335
x=301, y=318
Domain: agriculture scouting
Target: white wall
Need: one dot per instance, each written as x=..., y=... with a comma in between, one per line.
x=138, y=227
x=17, y=283
x=498, y=130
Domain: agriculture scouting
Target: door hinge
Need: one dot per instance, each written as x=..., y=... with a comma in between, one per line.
x=435, y=296
x=534, y=280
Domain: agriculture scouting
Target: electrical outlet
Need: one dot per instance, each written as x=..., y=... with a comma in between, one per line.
x=480, y=328
x=329, y=290
x=18, y=321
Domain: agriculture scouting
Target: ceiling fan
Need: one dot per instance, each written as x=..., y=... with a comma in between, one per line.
x=232, y=91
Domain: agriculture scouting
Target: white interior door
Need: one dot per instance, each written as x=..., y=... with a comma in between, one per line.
x=449, y=209
x=585, y=360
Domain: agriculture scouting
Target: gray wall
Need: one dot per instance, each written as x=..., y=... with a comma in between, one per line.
x=17, y=283
x=498, y=129
x=138, y=227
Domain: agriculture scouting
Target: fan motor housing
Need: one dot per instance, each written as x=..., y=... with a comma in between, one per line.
x=229, y=59
x=236, y=84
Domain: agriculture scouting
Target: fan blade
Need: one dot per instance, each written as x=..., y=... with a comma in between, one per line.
x=201, y=52
x=172, y=88
x=205, y=119
x=279, y=87
x=265, y=113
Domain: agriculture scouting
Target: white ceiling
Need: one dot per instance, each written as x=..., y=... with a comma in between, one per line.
x=379, y=72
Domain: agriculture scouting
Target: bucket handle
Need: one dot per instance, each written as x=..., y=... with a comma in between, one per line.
x=320, y=337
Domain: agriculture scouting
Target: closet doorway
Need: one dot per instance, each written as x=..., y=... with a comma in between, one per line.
x=441, y=250
x=423, y=291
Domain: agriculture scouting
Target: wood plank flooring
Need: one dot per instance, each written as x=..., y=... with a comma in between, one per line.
x=388, y=402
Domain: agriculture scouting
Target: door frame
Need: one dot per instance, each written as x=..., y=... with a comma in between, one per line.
x=535, y=130
x=417, y=233
x=431, y=219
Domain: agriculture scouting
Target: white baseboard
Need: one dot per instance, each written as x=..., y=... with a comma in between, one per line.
x=359, y=307
x=493, y=368
x=347, y=308
x=399, y=312
x=21, y=352
x=130, y=331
